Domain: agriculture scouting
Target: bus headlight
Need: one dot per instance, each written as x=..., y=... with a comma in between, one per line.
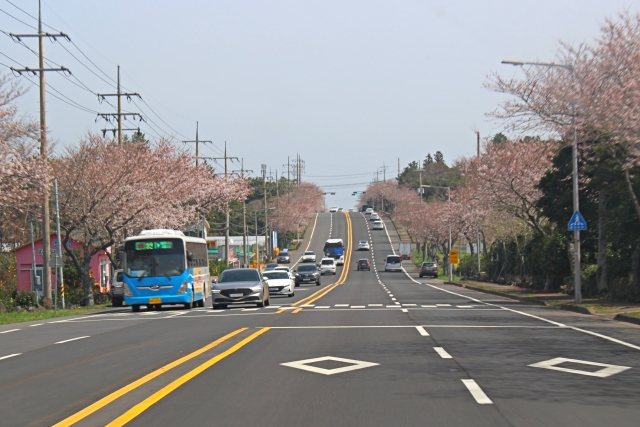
x=183, y=288
x=127, y=291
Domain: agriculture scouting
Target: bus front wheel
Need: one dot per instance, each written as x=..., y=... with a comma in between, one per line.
x=135, y=307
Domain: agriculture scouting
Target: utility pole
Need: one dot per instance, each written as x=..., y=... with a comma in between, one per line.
x=266, y=223
x=197, y=142
x=46, y=229
x=226, y=175
x=119, y=115
x=478, y=230
x=244, y=218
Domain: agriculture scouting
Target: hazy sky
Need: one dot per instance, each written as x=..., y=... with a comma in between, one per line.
x=350, y=85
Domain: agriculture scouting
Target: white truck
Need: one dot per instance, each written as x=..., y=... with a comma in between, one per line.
x=404, y=249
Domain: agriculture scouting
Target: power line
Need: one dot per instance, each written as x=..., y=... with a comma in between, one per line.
x=27, y=13
x=19, y=20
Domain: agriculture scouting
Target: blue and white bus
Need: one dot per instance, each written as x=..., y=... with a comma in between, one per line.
x=165, y=267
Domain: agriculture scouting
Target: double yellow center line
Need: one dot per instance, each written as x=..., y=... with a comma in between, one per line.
x=164, y=391
x=343, y=275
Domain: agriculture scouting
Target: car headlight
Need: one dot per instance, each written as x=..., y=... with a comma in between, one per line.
x=215, y=291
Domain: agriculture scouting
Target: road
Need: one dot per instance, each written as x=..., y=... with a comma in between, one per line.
x=367, y=348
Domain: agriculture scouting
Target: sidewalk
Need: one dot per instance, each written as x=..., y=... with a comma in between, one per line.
x=616, y=310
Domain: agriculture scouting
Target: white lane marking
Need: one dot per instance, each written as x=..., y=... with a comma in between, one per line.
x=271, y=306
x=37, y=324
x=430, y=306
x=396, y=302
x=357, y=306
x=310, y=239
x=323, y=306
x=392, y=306
x=342, y=305
x=422, y=331
x=443, y=305
x=393, y=299
x=11, y=355
x=390, y=294
x=250, y=309
x=464, y=306
x=374, y=305
x=411, y=326
x=72, y=339
x=606, y=337
x=408, y=305
x=404, y=310
x=10, y=330
x=442, y=352
x=606, y=371
x=477, y=392
x=307, y=305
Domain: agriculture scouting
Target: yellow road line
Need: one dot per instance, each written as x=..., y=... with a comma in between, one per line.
x=343, y=275
x=163, y=392
x=280, y=311
x=297, y=310
x=126, y=389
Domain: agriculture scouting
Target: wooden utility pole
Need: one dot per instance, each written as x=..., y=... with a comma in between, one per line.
x=119, y=115
x=197, y=142
x=46, y=228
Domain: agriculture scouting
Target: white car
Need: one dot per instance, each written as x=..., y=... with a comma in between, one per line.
x=378, y=225
x=363, y=245
x=374, y=216
x=333, y=209
x=309, y=256
x=393, y=263
x=353, y=210
x=327, y=266
x=283, y=268
x=369, y=211
x=280, y=282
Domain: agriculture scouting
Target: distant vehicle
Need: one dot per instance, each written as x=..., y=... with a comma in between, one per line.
x=240, y=286
x=378, y=225
x=280, y=282
x=364, y=208
x=393, y=263
x=309, y=256
x=307, y=273
x=334, y=248
x=328, y=265
x=117, y=289
x=270, y=266
x=404, y=249
x=364, y=264
x=353, y=210
x=284, y=258
x=340, y=209
x=165, y=267
x=428, y=269
x=333, y=209
x=368, y=211
x=374, y=216
x=363, y=245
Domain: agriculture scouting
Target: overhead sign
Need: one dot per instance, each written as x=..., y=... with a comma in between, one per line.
x=454, y=256
x=577, y=222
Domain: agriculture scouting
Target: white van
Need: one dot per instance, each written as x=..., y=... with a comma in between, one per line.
x=117, y=289
x=328, y=266
x=393, y=263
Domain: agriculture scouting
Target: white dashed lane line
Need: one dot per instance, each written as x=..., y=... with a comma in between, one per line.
x=442, y=352
x=9, y=356
x=10, y=330
x=477, y=392
x=422, y=331
x=72, y=339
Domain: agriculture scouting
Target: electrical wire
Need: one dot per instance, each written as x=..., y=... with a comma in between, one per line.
x=27, y=13
x=19, y=20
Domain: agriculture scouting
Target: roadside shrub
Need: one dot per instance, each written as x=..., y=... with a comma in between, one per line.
x=26, y=299
x=8, y=279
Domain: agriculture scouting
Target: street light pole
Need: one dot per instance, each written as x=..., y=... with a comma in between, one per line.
x=574, y=154
x=449, y=202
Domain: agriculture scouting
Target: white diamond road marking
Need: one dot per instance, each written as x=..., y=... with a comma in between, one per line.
x=606, y=371
x=354, y=365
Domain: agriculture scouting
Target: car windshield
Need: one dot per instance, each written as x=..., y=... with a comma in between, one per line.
x=363, y=242
x=327, y=262
x=307, y=268
x=363, y=261
x=393, y=259
x=154, y=257
x=308, y=253
x=428, y=264
x=286, y=254
x=276, y=275
x=228, y=276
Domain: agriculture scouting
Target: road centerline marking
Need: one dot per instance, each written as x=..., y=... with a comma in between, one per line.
x=72, y=339
x=422, y=331
x=477, y=392
x=442, y=352
x=163, y=392
x=10, y=355
x=145, y=379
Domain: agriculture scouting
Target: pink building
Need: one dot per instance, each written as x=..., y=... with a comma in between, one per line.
x=24, y=264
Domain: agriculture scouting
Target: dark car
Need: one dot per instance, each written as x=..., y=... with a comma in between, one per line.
x=270, y=266
x=364, y=264
x=284, y=258
x=307, y=273
x=240, y=286
x=428, y=269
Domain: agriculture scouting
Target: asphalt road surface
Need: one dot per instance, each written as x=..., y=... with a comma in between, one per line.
x=367, y=348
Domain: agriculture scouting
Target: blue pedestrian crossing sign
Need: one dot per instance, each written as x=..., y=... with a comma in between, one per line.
x=577, y=222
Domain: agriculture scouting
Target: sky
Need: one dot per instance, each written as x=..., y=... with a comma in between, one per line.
x=350, y=86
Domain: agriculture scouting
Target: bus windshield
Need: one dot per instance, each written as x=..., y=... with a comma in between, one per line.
x=333, y=249
x=154, y=257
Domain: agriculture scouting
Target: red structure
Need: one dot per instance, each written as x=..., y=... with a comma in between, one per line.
x=24, y=263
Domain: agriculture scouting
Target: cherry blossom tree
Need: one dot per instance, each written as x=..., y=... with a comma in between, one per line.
x=108, y=191
x=294, y=210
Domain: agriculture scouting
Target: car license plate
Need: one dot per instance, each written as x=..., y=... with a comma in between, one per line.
x=235, y=295
x=155, y=300
x=306, y=280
